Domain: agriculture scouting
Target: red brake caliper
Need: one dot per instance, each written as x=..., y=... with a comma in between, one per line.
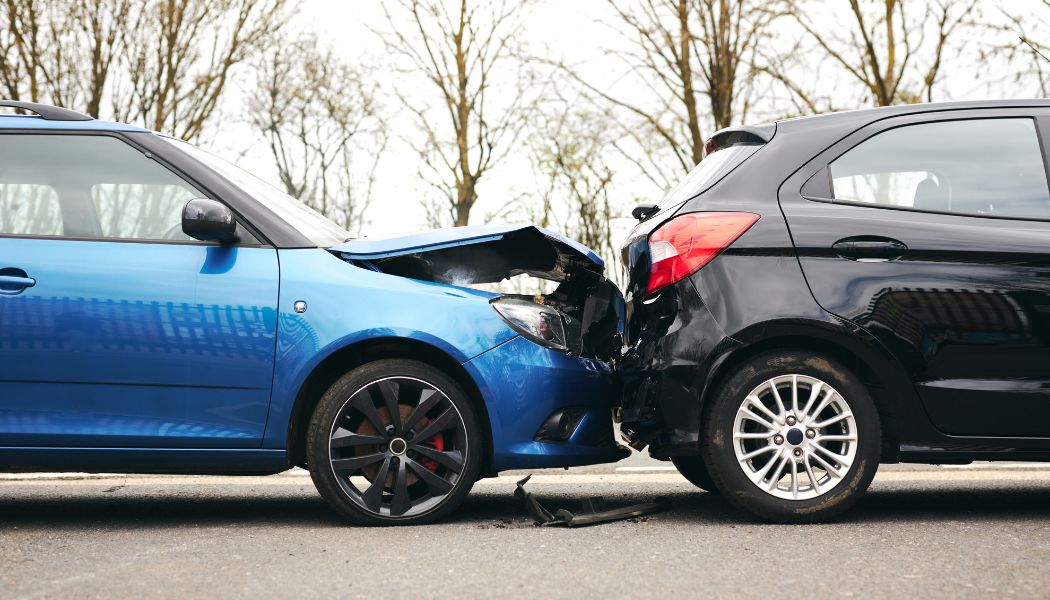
x=438, y=443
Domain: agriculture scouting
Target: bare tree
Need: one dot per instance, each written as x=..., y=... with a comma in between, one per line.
x=697, y=56
x=1028, y=44
x=162, y=63
x=730, y=33
x=894, y=49
x=36, y=50
x=321, y=121
x=102, y=26
x=181, y=54
x=474, y=111
x=568, y=151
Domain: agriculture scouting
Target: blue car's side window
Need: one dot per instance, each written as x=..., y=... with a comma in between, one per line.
x=29, y=209
x=88, y=186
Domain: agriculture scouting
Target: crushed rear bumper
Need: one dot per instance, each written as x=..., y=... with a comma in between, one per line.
x=675, y=343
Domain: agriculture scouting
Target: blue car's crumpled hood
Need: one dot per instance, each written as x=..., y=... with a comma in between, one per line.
x=476, y=254
x=591, y=306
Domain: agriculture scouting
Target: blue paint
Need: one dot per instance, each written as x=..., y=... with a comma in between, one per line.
x=524, y=383
x=35, y=122
x=173, y=346
x=351, y=305
x=126, y=344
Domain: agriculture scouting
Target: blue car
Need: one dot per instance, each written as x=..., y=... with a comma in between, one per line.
x=163, y=311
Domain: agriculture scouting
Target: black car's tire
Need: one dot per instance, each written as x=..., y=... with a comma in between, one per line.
x=693, y=469
x=813, y=484
x=378, y=466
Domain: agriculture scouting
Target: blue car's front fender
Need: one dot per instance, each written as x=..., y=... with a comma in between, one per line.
x=343, y=305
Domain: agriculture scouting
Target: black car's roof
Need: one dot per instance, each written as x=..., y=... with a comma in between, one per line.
x=882, y=112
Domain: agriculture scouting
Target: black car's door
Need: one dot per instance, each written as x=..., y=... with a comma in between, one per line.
x=932, y=232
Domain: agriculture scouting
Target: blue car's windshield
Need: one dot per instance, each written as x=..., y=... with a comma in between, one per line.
x=312, y=224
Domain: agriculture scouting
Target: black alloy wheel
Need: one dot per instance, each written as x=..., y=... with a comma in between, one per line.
x=394, y=442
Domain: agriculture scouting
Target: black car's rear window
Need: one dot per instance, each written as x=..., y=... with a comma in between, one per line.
x=709, y=172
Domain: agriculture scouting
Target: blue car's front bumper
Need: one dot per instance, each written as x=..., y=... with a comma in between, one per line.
x=523, y=384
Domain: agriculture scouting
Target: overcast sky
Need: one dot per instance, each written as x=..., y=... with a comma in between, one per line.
x=570, y=30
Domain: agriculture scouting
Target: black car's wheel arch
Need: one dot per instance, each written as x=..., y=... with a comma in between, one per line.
x=885, y=380
x=345, y=359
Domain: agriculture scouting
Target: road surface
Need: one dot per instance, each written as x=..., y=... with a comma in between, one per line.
x=929, y=531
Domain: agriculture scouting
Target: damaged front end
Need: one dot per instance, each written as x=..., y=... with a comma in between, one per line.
x=580, y=312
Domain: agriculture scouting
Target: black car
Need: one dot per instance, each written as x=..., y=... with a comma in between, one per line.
x=825, y=294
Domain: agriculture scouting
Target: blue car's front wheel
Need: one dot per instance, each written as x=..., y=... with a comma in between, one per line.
x=394, y=442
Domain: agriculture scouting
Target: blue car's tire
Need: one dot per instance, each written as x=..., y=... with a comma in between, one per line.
x=394, y=442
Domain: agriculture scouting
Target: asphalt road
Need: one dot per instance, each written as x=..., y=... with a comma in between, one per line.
x=934, y=532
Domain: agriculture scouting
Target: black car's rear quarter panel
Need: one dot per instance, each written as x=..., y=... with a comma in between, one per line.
x=683, y=338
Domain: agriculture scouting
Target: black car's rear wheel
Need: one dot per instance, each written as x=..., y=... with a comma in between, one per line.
x=694, y=470
x=792, y=437
x=394, y=442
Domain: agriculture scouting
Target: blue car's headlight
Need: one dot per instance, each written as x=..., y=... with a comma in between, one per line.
x=541, y=324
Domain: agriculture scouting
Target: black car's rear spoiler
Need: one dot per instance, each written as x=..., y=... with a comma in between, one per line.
x=745, y=134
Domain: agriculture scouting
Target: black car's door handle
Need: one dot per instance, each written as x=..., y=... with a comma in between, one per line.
x=869, y=248
x=14, y=281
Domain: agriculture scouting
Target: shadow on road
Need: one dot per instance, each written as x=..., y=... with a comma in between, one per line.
x=140, y=511
x=143, y=509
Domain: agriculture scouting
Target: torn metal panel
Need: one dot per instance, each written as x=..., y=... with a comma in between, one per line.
x=477, y=254
x=594, y=510
x=591, y=306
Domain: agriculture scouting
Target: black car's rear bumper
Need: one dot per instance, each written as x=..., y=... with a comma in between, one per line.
x=675, y=345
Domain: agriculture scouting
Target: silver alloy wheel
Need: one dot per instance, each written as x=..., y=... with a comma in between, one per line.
x=795, y=437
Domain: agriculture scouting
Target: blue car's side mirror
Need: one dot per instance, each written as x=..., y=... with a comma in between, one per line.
x=209, y=221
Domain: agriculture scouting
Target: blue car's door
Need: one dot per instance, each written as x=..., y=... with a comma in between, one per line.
x=116, y=330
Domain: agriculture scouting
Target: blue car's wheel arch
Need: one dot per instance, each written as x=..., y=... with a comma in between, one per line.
x=347, y=357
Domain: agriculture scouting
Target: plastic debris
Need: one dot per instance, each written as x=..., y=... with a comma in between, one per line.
x=594, y=510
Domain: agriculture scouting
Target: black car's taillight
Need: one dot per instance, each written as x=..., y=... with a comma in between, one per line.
x=684, y=244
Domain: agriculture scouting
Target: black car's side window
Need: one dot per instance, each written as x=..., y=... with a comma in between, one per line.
x=976, y=167
x=88, y=186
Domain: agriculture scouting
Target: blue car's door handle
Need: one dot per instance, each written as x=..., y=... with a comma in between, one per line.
x=15, y=284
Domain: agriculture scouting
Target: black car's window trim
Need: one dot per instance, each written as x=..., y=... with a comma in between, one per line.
x=823, y=161
x=1042, y=133
x=243, y=226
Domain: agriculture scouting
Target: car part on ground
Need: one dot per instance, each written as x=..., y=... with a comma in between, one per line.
x=593, y=510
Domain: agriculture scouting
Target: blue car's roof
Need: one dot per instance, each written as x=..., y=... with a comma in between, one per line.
x=436, y=239
x=35, y=122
